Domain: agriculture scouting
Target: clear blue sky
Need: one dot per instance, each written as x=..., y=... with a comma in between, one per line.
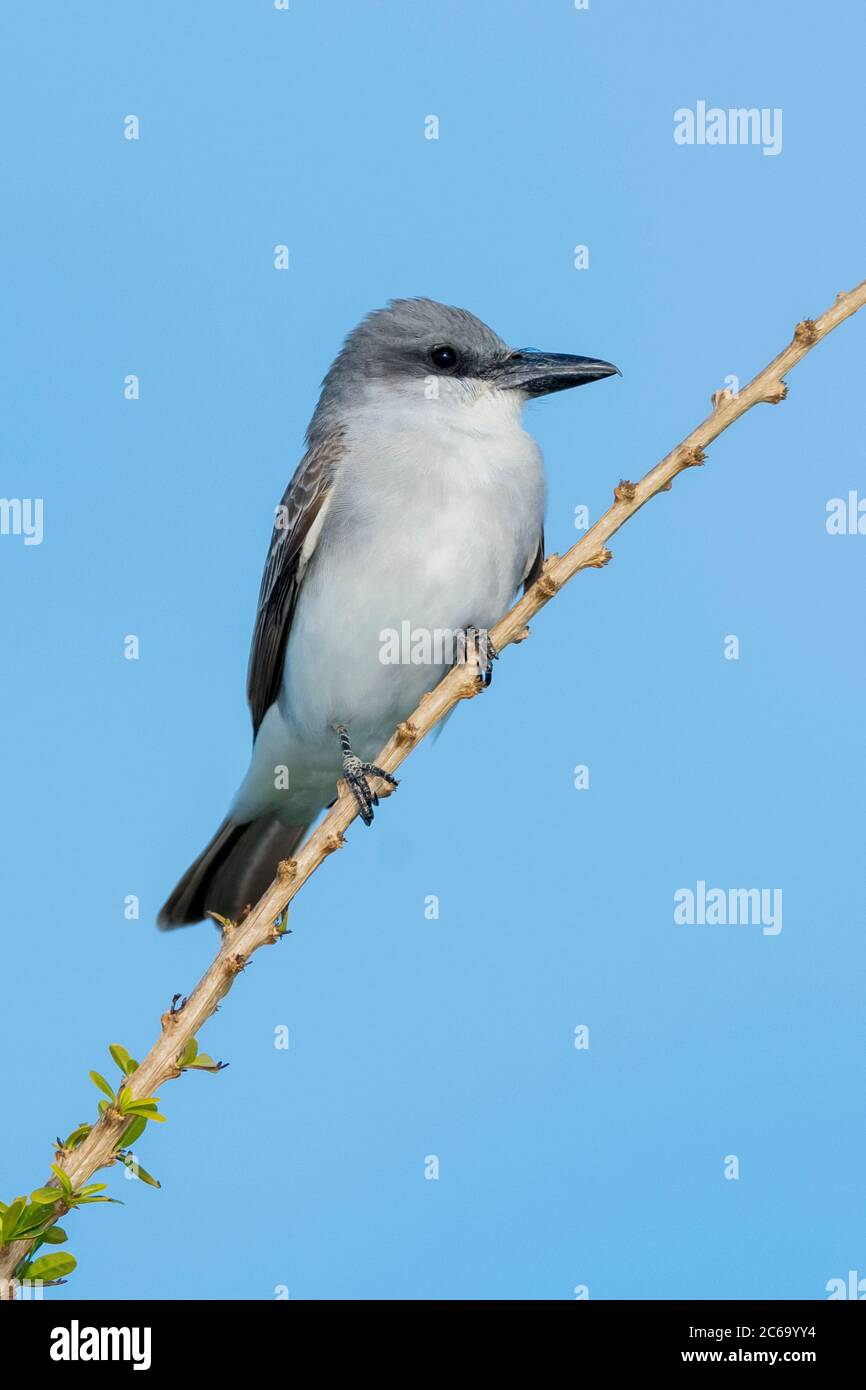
x=409, y=1037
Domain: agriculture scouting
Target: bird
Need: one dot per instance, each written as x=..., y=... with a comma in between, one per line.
x=418, y=507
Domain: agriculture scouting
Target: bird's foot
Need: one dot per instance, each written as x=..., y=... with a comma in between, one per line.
x=477, y=647
x=356, y=773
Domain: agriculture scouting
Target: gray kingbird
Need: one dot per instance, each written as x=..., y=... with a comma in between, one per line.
x=418, y=507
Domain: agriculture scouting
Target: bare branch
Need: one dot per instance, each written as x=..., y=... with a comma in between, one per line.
x=239, y=942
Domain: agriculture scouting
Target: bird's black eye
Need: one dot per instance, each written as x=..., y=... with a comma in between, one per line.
x=443, y=357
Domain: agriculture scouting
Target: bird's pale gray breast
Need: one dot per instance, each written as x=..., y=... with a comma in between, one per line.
x=434, y=529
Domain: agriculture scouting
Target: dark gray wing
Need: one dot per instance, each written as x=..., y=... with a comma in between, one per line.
x=301, y=504
x=537, y=565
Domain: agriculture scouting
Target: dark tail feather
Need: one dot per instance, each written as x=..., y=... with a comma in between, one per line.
x=232, y=871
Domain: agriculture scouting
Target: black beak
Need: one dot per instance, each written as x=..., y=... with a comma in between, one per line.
x=541, y=373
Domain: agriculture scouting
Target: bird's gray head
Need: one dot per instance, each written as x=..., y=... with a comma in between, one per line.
x=420, y=346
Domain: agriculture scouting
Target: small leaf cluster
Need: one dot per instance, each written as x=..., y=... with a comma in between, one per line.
x=138, y=1108
x=34, y=1220
x=191, y=1059
x=23, y=1220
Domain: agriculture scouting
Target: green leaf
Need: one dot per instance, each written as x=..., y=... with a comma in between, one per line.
x=77, y=1136
x=102, y=1084
x=121, y=1057
x=50, y=1267
x=128, y=1103
x=133, y=1131
x=46, y=1196
x=33, y=1220
x=188, y=1056
x=87, y=1201
x=145, y=1176
x=12, y=1216
x=205, y=1063
x=145, y=1109
x=91, y=1187
x=63, y=1178
x=137, y=1171
x=55, y=1235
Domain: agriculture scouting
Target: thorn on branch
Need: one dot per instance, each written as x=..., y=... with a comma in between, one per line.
x=406, y=732
x=522, y=635
x=236, y=963
x=691, y=458
x=775, y=392
x=600, y=559
x=719, y=398
x=287, y=870
x=624, y=491
x=335, y=840
x=806, y=333
x=546, y=586
x=178, y=1002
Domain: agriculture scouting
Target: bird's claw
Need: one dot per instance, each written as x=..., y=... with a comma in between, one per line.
x=477, y=646
x=356, y=773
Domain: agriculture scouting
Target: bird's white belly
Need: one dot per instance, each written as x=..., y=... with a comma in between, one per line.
x=422, y=539
x=427, y=532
